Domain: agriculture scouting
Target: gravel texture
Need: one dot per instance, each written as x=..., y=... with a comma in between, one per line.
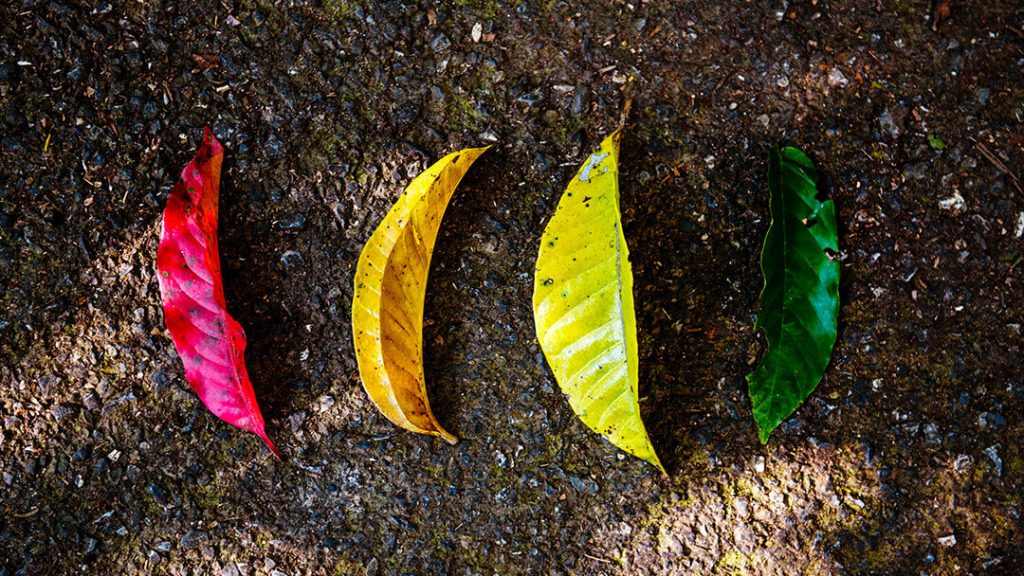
x=903, y=462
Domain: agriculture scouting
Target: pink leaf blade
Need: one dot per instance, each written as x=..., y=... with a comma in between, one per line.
x=210, y=343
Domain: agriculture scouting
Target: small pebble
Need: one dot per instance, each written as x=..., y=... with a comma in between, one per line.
x=274, y=145
x=297, y=420
x=529, y=98
x=158, y=493
x=888, y=124
x=954, y=203
x=993, y=454
x=991, y=420
x=293, y=221
x=440, y=43
x=836, y=78
x=290, y=259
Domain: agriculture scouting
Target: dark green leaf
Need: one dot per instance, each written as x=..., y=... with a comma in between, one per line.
x=800, y=299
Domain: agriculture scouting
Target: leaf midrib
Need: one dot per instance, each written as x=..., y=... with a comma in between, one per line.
x=781, y=187
x=620, y=308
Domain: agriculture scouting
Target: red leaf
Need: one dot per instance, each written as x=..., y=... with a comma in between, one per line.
x=209, y=341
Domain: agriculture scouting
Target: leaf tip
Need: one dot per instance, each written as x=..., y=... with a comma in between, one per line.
x=764, y=430
x=269, y=443
x=657, y=463
x=624, y=116
x=447, y=436
x=210, y=143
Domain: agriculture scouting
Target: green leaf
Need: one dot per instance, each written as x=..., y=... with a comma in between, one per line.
x=800, y=299
x=936, y=143
x=583, y=305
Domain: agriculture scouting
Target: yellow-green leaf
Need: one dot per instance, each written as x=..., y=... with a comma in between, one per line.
x=583, y=305
x=390, y=286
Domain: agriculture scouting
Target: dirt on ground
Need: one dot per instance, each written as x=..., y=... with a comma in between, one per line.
x=902, y=462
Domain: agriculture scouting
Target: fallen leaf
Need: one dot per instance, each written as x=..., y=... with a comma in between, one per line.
x=206, y=61
x=800, y=299
x=209, y=341
x=390, y=286
x=943, y=9
x=583, y=305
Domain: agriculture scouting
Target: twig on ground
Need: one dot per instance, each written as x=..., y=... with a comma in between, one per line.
x=999, y=164
x=1016, y=31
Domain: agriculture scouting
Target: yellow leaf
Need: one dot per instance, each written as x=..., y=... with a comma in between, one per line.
x=390, y=285
x=583, y=305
